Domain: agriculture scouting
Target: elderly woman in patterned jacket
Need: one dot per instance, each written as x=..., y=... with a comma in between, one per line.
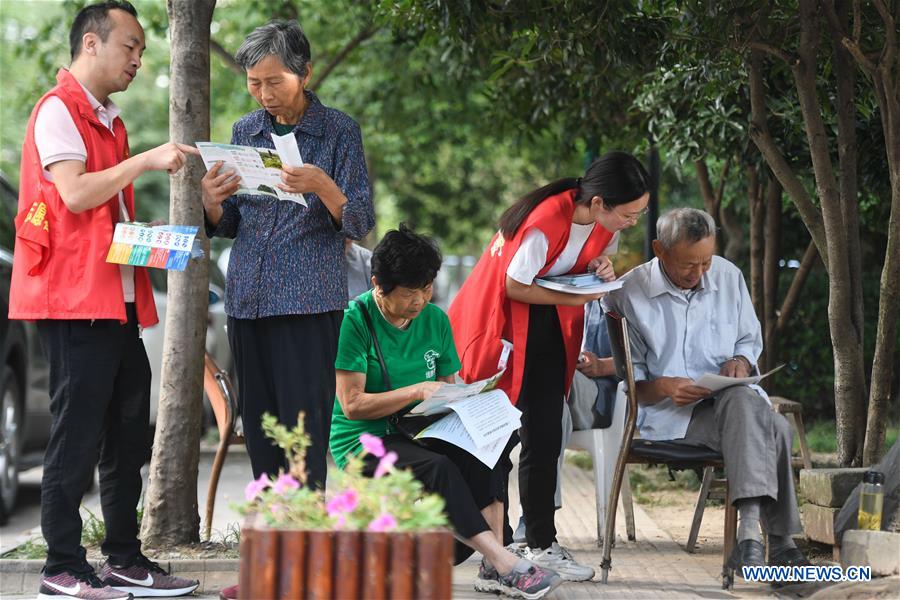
x=287, y=285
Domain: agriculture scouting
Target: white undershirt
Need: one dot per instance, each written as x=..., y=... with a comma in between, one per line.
x=57, y=139
x=531, y=255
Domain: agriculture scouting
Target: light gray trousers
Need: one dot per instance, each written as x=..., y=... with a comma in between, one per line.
x=755, y=442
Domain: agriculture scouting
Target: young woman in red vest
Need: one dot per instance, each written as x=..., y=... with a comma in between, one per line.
x=567, y=226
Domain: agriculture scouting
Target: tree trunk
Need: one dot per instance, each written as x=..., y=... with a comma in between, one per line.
x=886, y=81
x=170, y=505
x=733, y=226
x=849, y=375
x=770, y=270
x=757, y=242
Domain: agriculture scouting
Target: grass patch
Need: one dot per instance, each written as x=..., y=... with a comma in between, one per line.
x=580, y=459
x=821, y=437
x=33, y=549
x=646, y=481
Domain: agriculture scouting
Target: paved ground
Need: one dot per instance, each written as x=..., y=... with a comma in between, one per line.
x=653, y=566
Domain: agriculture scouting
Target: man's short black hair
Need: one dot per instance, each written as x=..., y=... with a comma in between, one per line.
x=95, y=19
x=406, y=259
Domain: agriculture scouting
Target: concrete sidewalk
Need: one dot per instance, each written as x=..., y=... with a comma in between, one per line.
x=653, y=566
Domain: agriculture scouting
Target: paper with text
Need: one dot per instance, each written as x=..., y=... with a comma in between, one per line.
x=258, y=168
x=451, y=392
x=451, y=430
x=717, y=383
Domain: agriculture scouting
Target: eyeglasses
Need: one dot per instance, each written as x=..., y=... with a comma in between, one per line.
x=633, y=217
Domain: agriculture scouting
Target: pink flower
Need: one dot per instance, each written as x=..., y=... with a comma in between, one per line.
x=344, y=502
x=256, y=486
x=284, y=483
x=275, y=509
x=372, y=444
x=383, y=522
x=385, y=464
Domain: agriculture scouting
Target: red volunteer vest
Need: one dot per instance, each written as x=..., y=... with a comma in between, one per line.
x=481, y=314
x=59, y=264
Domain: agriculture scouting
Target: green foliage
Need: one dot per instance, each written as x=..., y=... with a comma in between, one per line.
x=33, y=549
x=821, y=437
x=392, y=500
x=93, y=530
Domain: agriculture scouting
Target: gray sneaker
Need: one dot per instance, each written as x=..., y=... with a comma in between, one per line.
x=528, y=581
x=558, y=559
x=82, y=586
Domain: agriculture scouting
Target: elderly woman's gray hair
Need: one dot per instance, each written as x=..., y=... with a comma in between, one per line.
x=684, y=225
x=282, y=39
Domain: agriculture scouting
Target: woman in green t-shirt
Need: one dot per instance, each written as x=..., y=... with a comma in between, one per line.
x=416, y=344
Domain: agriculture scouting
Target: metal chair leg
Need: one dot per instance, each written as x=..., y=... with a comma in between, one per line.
x=628, y=506
x=218, y=462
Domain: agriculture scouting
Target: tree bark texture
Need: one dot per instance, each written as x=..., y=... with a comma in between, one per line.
x=849, y=374
x=170, y=504
x=885, y=77
x=771, y=270
x=757, y=241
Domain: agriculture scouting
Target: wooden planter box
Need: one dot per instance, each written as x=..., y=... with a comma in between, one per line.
x=279, y=563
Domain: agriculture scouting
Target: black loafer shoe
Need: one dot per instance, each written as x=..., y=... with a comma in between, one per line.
x=748, y=553
x=789, y=557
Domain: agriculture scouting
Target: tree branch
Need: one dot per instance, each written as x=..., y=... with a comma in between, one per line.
x=367, y=32
x=217, y=49
x=762, y=137
x=857, y=21
x=864, y=61
x=723, y=177
x=773, y=51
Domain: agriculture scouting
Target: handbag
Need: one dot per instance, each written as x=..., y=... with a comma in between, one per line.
x=407, y=425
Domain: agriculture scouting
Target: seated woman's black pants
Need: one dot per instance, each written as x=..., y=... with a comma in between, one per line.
x=462, y=480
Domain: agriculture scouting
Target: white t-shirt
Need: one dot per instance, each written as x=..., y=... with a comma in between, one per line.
x=531, y=255
x=57, y=139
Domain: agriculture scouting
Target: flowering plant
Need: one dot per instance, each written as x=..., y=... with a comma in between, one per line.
x=390, y=500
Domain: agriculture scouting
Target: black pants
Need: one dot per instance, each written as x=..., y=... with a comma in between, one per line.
x=285, y=365
x=464, y=482
x=541, y=402
x=100, y=405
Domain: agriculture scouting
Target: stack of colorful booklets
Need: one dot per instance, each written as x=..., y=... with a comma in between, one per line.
x=578, y=284
x=162, y=246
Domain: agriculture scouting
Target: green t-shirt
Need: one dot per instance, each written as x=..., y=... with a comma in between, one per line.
x=423, y=351
x=281, y=128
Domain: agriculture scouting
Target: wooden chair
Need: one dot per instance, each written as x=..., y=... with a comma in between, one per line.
x=674, y=454
x=713, y=487
x=223, y=400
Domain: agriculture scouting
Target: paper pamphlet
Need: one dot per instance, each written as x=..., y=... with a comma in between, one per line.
x=583, y=284
x=480, y=425
x=258, y=168
x=161, y=246
x=438, y=401
x=716, y=383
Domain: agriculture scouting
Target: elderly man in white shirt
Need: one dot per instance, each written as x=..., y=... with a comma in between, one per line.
x=689, y=313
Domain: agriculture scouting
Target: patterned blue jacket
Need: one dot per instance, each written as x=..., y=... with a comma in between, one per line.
x=287, y=259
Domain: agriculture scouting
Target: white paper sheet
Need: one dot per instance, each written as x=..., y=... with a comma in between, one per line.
x=717, y=383
x=451, y=429
x=488, y=417
x=451, y=392
x=571, y=289
x=258, y=168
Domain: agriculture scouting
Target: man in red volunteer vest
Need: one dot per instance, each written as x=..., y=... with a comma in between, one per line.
x=76, y=184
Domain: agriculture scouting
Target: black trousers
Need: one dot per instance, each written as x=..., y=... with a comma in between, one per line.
x=541, y=402
x=465, y=483
x=100, y=407
x=285, y=365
